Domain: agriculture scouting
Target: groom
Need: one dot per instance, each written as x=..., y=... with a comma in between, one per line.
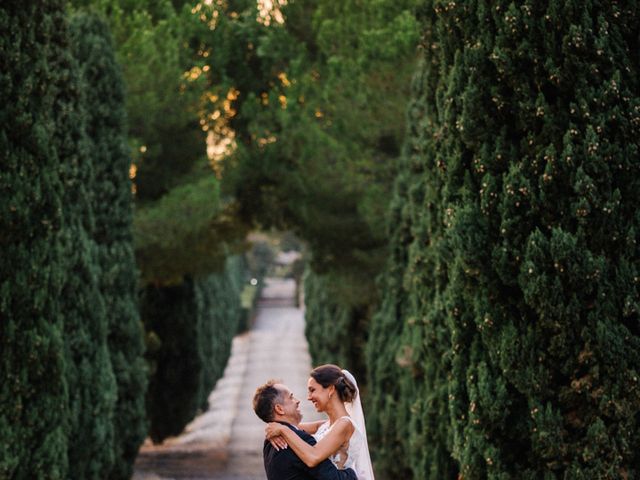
x=274, y=402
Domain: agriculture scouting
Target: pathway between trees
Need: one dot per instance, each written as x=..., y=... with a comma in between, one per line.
x=225, y=443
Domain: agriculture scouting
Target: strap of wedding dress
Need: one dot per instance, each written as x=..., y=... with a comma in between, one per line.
x=330, y=425
x=354, y=409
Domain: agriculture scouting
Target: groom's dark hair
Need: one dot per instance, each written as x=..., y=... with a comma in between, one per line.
x=265, y=398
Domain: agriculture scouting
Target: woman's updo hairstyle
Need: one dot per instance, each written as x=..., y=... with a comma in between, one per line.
x=329, y=374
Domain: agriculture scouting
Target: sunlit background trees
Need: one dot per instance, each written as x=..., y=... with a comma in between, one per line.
x=461, y=177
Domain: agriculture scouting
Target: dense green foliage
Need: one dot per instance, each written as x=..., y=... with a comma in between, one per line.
x=507, y=344
x=162, y=102
x=90, y=379
x=186, y=232
x=191, y=326
x=337, y=327
x=152, y=47
x=182, y=224
x=112, y=202
x=313, y=155
x=33, y=390
x=318, y=117
x=62, y=250
x=345, y=139
x=184, y=229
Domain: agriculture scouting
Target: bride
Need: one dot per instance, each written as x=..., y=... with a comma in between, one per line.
x=343, y=437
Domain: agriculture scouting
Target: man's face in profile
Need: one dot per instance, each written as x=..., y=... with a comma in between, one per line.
x=289, y=405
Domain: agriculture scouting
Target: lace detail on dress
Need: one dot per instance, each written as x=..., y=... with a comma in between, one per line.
x=347, y=454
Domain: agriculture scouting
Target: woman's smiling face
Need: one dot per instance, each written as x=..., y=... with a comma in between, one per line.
x=318, y=395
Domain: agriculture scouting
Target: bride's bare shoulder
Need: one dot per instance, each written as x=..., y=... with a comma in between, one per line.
x=346, y=423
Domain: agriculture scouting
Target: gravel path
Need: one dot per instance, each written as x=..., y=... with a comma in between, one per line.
x=225, y=443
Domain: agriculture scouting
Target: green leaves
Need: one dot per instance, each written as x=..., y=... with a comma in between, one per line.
x=62, y=175
x=192, y=325
x=508, y=235
x=186, y=232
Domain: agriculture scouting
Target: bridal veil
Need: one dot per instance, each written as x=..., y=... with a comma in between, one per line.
x=354, y=409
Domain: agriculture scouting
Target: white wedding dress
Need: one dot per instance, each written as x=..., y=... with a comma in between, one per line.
x=346, y=457
x=355, y=454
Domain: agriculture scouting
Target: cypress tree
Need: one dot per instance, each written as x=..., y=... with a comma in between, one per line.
x=336, y=320
x=220, y=316
x=169, y=313
x=112, y=208
x=33, y=389
x=90, y=378
x=191, y=326
x=513, y=282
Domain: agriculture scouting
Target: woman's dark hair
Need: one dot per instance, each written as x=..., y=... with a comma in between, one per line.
x=330, y=374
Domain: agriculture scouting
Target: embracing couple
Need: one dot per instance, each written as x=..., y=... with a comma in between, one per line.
x=333, y=449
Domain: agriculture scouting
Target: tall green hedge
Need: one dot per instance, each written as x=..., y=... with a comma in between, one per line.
x=335, y=323
x=112, y=209
x=220, y=316
x=58, y=390
x=508, y=342
x=92, y=387
x=33, y=389
x=190, y=328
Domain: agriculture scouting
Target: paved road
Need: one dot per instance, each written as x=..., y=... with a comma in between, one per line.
x=225, y=443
